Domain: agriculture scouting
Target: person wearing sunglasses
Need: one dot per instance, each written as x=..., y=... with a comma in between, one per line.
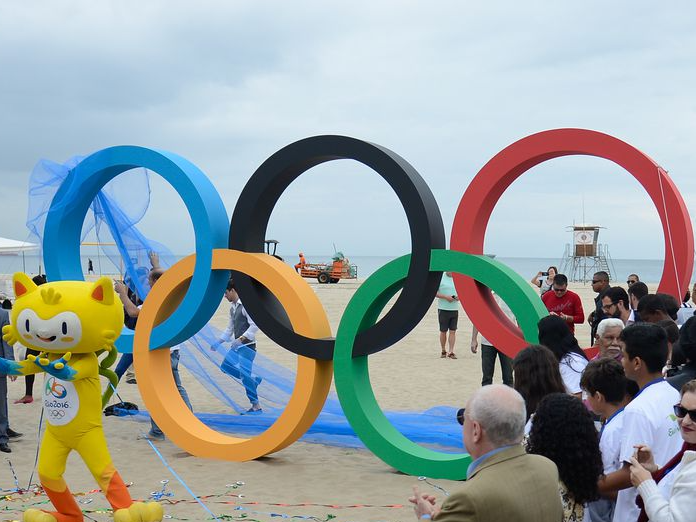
x=503, y=481
x=632, y=279
x=669, y=493
x=600, y=284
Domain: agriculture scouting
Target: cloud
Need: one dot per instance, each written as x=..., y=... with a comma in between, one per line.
x=445, y=85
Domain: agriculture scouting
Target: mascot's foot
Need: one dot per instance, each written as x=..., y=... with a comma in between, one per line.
x=36, y=515
x=140, y=512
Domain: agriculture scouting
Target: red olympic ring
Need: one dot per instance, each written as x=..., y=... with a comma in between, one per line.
x=476, y=206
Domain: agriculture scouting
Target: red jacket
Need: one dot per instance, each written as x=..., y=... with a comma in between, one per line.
x=569, y=304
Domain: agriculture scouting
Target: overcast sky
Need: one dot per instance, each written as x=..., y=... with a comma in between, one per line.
x=444, y=84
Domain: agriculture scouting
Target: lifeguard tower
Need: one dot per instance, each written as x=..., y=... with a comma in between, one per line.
x=586, y=255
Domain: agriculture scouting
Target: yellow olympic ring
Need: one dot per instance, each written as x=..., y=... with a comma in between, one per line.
x=159, y=391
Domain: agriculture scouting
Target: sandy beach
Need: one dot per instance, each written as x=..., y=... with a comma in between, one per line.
x=304, y=480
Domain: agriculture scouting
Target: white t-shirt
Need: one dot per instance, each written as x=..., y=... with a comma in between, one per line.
x=610, y=443
x=571, y=366
x=648, y=419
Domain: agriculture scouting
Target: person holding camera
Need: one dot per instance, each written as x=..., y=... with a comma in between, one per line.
x=447, y=314
x=544, y=280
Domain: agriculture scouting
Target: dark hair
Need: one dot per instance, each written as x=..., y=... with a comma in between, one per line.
x=560, y=280
x=601, y=275
x=651, y=303
x=606, y=376
x=687, y=340
x=687, y=296
x=536, y=375
x=230, y=285
x=638, y=290
x=7, y=304
x=616, y=294
x=555, y=269
x=647, y=341
x=39, y=279
x=555, y=334
x=671, y=329
x=671, y=304
x=564, y=432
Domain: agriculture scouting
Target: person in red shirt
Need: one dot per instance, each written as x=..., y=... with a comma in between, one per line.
x=562, y=302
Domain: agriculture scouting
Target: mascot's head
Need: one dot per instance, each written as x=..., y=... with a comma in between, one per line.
x=66, y=316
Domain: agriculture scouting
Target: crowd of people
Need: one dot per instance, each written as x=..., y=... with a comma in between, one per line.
x=612, y=427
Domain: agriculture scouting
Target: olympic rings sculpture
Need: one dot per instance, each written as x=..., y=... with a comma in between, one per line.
x=288, y=311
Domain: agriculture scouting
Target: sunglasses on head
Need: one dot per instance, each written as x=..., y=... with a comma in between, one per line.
x=682, y=412
x=460, y=416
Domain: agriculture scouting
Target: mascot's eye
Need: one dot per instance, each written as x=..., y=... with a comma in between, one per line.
x=65, y=328
x=26, y=325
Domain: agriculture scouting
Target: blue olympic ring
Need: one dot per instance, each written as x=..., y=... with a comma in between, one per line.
x=61, y=246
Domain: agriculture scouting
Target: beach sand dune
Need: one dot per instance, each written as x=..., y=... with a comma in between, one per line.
x=303, y=480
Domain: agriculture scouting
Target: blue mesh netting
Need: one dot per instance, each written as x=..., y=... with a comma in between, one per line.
x=118, y=207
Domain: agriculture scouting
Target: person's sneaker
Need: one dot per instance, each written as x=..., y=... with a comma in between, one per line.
x=252, y=411
x=4, y=447
x=12, y=434
x=151, y=436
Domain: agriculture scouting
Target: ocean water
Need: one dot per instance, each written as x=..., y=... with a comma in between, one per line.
x=649, y=270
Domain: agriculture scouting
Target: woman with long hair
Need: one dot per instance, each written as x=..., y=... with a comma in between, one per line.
x=557, y=337
x=536, y=375
x=564, y=432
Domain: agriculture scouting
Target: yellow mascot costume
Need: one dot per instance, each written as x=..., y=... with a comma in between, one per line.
x=68, y=322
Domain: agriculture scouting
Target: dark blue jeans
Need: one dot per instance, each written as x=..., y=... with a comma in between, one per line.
x=123, y=363
x=238, y=364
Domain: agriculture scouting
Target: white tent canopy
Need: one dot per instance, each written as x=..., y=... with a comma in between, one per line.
x=12, y=246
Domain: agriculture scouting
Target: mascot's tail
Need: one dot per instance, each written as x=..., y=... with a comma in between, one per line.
x=106, y=371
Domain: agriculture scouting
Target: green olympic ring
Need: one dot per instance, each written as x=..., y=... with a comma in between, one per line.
x=352, y=377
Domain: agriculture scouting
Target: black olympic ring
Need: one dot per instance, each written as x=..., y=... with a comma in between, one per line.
x=56, y=414
x=259, y=197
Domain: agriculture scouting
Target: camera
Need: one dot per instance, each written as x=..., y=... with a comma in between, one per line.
x=545, y=274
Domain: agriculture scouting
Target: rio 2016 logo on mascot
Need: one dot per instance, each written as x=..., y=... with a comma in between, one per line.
x=70, y=322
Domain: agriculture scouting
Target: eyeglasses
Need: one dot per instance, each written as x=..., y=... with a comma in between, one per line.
x=630, y=282
x=608, y=306
x=559, y=289
x=682, y=412
x=461, y=413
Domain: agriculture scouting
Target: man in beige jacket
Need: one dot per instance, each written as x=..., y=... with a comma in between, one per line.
x=503, y=482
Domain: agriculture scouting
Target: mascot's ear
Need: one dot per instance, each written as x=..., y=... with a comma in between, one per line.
x=22, y=285
x=103, y=291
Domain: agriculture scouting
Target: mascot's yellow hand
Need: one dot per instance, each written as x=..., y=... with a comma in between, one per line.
x=9, y=334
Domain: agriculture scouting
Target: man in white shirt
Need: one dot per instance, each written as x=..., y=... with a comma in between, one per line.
x=241, y=332
x=649, y=418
